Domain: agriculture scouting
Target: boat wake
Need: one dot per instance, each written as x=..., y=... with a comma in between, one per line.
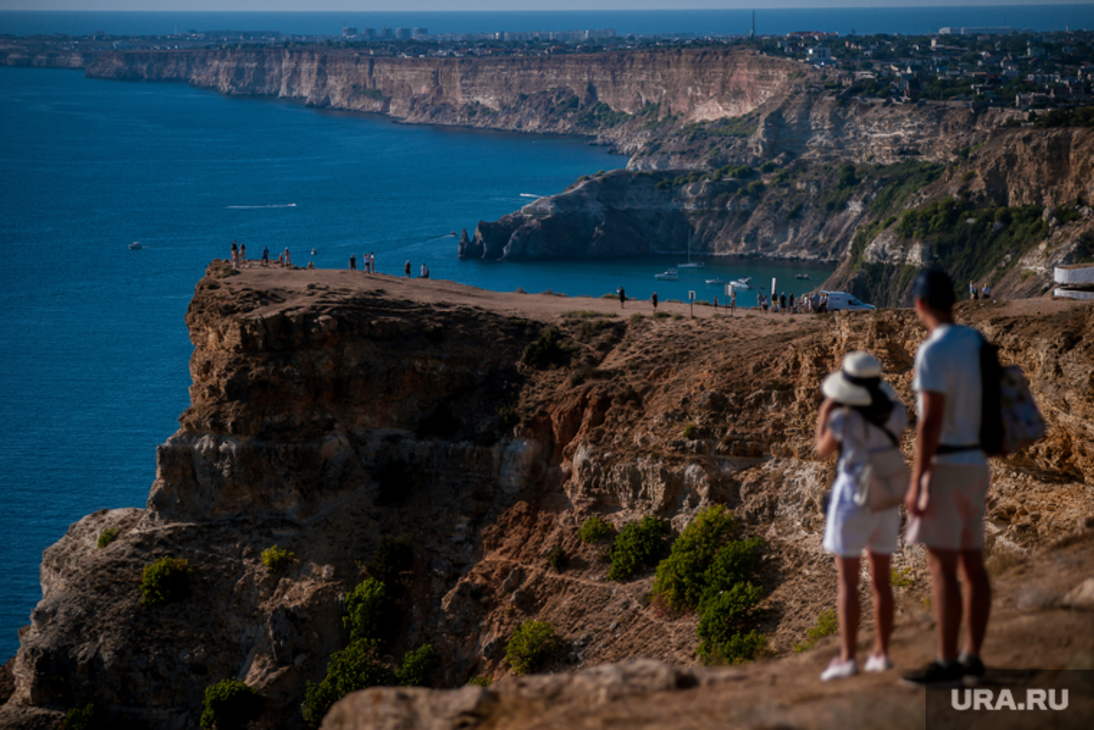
x=530, y=195
x=260, y=207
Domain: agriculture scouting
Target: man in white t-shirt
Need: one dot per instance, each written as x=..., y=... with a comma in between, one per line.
x=950, y=479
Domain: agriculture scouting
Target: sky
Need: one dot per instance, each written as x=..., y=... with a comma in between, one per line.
x=470, y=5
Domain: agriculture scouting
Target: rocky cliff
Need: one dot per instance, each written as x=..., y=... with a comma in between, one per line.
x=331, y=409
x=593, y=94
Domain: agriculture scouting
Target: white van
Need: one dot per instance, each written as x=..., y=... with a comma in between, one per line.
x=842, y=300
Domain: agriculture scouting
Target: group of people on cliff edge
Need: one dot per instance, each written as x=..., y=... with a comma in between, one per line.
x=945, y=496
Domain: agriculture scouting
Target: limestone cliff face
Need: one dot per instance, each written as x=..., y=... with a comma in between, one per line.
x=535, y=94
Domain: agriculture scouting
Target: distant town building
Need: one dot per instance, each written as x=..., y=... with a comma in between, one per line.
x=402, y=34
x=820, y=54
x=420, y=32
x=349, y=31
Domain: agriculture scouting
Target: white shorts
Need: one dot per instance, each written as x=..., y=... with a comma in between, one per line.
x=850, y=529
x=954, y=519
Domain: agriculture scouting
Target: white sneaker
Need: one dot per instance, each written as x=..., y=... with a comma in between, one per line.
x=877, y=663
x=839, y=670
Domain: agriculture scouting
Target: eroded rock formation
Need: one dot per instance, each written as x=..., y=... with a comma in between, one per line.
x=330, y=409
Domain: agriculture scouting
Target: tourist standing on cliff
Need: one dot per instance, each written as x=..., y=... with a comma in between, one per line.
x=243, y=253
x=622, y=298
x=424, y=272
x=653, y=301
x=371, y=262
x=235, y=255
x=265, y=255
x=949, y=484
x=352, y=262
x=973, y=290
x=860, y=413
x=288, y=258
x=732, y=300
x=406, y=268
x=985, y=293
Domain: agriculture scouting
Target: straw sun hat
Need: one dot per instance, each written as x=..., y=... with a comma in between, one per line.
x=848, y=385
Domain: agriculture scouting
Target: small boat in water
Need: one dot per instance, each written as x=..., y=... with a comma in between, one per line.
x=670, y=275
x=691, y=264
x=802, y=276
x=136, y=245
x=715, y=280
x=745, y=283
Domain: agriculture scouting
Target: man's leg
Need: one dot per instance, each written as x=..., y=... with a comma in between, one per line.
x=977, y=599
x=946, y=596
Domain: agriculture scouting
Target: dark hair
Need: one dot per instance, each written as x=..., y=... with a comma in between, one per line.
x=935, y=288
x=880, y=408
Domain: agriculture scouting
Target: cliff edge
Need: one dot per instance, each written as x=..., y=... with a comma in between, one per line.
x=332, y=409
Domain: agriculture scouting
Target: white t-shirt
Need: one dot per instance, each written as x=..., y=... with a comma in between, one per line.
x=948, y=362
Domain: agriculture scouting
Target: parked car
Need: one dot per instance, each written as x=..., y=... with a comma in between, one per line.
x=842, y=300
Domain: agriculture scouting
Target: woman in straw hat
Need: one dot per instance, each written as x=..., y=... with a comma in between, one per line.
x=860, y=413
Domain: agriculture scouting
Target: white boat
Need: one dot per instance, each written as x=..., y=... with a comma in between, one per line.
x=715, y=280
x=135, y=245
x=670, y=275
x=745, y=283
x=691, y=264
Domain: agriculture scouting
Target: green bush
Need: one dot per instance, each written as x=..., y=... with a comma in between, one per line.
x=682, y=576
x=369, y=610
x=639, y=545
x=355, y=667
x=417, y=666
x=480, y=681
x=691, y=432
x=547, y=351
x=827, y=624
x=394, y=555
x=229, y=705
x=107, y=536
x=165, y=581
x=532, y=643
x=276, y=559
x=79, y=718
x=740, y=648
x=723, y=616
x=595, y=529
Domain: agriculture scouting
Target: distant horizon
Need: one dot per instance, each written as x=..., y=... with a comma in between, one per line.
x=530, y=6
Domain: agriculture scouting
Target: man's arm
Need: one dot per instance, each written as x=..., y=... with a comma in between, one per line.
x=927, y=433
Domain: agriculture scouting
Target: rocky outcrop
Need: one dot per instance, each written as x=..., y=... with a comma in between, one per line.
x=329, y=409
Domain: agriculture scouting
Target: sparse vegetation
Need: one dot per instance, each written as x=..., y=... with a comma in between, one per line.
x=79, y=718
x=691, y=432
x=900, y=578
x=531, y=645
x=355, y=667
x=369, y=611
x=229, y=705
x=165, y=581
x=638, y=546
x=479, y=681
x=827, y=625
x=549, y=350
x=595, y=529
x=417, y=666
x=107, y=536
x=276, y=559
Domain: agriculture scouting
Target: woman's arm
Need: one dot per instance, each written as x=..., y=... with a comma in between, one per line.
x=826, y=441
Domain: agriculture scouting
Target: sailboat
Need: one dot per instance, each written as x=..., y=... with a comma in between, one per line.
x=690, y=264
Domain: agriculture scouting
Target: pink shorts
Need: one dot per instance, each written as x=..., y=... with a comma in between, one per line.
x=954, y=519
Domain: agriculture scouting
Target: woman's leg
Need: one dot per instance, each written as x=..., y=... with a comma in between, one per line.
x=883, y=601
x=847, y=606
